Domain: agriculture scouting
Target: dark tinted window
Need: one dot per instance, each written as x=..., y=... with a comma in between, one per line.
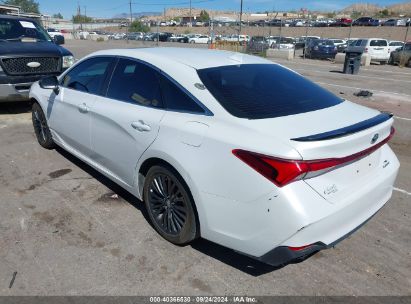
x=256, y=91
x=135, y=82
x=88, y=76
x=176, y=99
x=378, y=43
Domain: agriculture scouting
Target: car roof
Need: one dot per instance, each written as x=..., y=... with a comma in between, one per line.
x=192, y=57
x=17, y=18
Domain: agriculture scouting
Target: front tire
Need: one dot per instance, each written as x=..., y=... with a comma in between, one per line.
x=41, y=128
x=170, y=205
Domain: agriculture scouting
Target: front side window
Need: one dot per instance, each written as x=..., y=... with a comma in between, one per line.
x=135, y=82
x=258, y=91
x=88, y=76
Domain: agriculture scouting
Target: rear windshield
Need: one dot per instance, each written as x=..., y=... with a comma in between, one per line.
x=378, y=43
x=325, y=42
x=257, y=91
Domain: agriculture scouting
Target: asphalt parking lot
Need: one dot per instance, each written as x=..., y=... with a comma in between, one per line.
x=67, y=230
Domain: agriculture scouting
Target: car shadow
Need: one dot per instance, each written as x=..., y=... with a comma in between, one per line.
x=15, y=107
x=225, y=255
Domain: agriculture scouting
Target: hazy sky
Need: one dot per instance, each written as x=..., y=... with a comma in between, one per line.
x=108, y=8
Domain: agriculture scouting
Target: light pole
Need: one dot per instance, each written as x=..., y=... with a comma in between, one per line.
x=241, y=20
x=191, y=22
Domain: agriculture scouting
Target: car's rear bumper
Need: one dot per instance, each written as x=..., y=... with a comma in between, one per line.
x=15, y=92
x=283, y=255
x=384, y=57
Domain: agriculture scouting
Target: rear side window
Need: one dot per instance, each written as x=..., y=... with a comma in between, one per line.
x=257, y=91
x=378, y=43
x=136, y=83
x=88, y=76
x=177, y=100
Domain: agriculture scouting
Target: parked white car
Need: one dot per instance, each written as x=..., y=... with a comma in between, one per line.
x=338, y=42
x=53, y=32
x=376, y=47
x=395, y=22
x=83, y=35
x=199, y=39
x=221, y=145
x=237, y=38
x=281, y=42
x=395, y=45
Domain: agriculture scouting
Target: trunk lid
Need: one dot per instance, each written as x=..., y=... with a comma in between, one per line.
x=336, y=132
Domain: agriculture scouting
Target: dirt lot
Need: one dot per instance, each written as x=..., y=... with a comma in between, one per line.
x=387, y=32
x=65, y=231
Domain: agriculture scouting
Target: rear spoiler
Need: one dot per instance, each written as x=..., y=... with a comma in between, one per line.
x=380, y=118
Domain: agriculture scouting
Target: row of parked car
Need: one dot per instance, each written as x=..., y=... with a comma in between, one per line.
x=380, y=50
x=340, y=22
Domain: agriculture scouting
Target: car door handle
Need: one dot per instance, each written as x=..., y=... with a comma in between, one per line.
x=141, y=126
x=83, y=108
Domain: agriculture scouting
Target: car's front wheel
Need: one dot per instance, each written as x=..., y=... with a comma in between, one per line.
x=170, y=205
x=41, y=128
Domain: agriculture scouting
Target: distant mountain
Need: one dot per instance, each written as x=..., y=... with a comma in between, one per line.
x=137, y=15
x=400, y=8
x=366, y=8
x=370, y=8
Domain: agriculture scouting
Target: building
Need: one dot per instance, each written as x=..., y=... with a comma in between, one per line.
x=16, y=11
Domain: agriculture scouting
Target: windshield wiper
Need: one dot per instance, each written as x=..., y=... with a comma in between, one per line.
x=21, y=37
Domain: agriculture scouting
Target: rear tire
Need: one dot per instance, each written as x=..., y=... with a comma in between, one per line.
x=170, y=206
x=41, y=128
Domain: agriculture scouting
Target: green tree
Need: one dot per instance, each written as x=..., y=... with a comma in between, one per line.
x=384, y=13
x=204, y=16
x=331, y=15
x=82, y=19
x=58, y=16
x=355, y=15
x=138, y=26
x=27, y=6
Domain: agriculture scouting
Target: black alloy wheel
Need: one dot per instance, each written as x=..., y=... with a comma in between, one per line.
x=41, y=128
x=169, y=205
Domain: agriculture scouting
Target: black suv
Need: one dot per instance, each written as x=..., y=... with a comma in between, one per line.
x=27, y=54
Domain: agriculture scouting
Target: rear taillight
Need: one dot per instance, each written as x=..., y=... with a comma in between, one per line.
x=366, y=50
x=284, y=171
x=299, y=248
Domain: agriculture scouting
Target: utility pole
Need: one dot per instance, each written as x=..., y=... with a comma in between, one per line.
x=241, y=17
x=191, y=22
x=131, y=13
x=405, y=41
x=85, y=16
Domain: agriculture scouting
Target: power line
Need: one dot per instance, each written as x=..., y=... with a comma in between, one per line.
x=174, y=3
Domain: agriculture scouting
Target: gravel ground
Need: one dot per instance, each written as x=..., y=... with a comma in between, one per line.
x=67, y=230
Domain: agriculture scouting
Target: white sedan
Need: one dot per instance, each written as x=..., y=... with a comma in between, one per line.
x=223, y=146
x=200, y=39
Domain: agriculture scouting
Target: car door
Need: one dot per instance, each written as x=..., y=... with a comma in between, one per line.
x=126, y=121
x=68, y=113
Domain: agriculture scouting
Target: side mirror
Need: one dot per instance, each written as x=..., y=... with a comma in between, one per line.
x=50, y=83
x=58, y=39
